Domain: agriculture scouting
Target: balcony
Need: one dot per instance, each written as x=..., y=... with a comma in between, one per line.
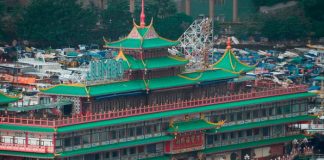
x=26, y=148
x=152, y=109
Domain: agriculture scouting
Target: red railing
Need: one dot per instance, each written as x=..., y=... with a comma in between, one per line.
x=151, y=109
x=28, y=148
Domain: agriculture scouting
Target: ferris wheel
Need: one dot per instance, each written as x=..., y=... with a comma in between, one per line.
x=196, y=43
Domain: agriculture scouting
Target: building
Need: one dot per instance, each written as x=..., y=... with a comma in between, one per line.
x=142, y=105
x=220, y=10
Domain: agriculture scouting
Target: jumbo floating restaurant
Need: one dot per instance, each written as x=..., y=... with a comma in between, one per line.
x=143, y=104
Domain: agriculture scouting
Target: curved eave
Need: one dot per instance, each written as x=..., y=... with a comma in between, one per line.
x=4, y=99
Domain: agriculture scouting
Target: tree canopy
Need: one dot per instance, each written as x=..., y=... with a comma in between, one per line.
x=59, y=22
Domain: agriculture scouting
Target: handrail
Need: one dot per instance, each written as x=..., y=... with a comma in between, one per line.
x=26, y=148
x=151, y=109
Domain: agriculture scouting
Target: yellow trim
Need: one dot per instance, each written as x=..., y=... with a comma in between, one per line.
x=178, y=58
x=8, y=96
x=221, y=58
x=246, y=65
x=192, y=79
x=218, y=124
x=145, y=83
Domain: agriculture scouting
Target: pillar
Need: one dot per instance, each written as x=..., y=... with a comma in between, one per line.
x=131, y=6
x=212, y=9
x=188, y=7
x=180, y=5
x=235, y=11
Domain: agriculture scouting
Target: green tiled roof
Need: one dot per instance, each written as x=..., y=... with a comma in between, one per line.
x=141, y=44
x=193, y=125
x=263, y=123
x=115, y=146
x=154, y=63
x=138, y=39
x=230, y=63
x=75, y=90
x=188, y=79
x=25, y=128
x=7, y=99
x=144, y=117
x=117, y=87
x=252, y=144
x=139, y=85
x=27, y=154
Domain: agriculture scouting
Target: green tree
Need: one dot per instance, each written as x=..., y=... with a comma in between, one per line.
x=57, y=23
x=314, y=12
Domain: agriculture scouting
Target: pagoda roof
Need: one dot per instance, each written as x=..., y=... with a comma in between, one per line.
x=228, y=62
x=141, y=38
x=4, y=99
x=138, y=85
x=154, y=63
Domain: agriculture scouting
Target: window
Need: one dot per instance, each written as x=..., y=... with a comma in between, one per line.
x=86, y=139
x=115, y=154
x=287, y=109
x=148, y=129
x=256, y=114
x=248, y=115
x=67, y=142
x=249, y=132
x=239, y=116
x=121, y=133
x=264, y=112
x=232, y=135
x=113, y=134
x=215, y=137
x=271, y=113
x=107, y=155
x=223, y=117
x=77, y=140
x=279, y=110
x=256, y=131
x=103, y=136
x=265, y=131
x=151, y=148
x=132, y=150
x=131, y=132
x=124, y=152
x=231, y=117
x=140, y=149
x=210, y=139
x=224, y=136
x=139, y=131
x=95, y=137
x=240, y=134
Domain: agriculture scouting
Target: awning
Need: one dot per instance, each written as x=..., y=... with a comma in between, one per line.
x=37, y=107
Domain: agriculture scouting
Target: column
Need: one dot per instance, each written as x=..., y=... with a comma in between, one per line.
x=235, y=11
x=131, y=6
x=188, y=7
x=180, y=5
x=212, y=9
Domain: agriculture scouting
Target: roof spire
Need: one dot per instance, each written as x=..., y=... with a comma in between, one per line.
x=228, y=43
x=142, y=24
